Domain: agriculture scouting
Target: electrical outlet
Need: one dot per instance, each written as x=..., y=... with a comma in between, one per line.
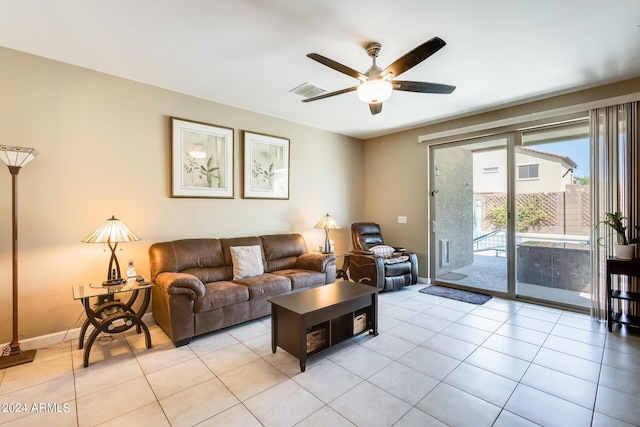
x=402, y=220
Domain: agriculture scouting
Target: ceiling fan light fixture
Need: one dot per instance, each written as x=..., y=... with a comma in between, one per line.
x=375, y=90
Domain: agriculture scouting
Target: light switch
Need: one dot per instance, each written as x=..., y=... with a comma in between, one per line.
x=402, y=220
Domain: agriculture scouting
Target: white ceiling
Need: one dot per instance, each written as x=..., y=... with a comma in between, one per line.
x=251, y=53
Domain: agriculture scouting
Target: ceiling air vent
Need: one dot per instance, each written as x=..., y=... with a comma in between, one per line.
x=307, y=90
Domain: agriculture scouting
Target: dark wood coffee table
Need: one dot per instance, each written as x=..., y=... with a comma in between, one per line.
x=306, y=322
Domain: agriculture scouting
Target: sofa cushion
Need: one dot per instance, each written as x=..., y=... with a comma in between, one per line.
x=282, y=250
x=210, y=274
x=302, y=278
x=266, y=284
x=220, y=294
x=179, y=255
x=247, y=261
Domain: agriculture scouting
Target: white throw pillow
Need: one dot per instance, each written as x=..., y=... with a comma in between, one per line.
x=247, y=261
x=382, y=250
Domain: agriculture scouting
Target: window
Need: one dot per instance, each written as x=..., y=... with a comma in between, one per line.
x=491, y=169
x=528, y=172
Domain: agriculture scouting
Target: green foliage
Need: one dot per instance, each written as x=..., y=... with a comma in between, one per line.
x=193, y=168
x=615, y=220
x=498, y=216
x=585, y=180
x=261, y=174
x=529, y=214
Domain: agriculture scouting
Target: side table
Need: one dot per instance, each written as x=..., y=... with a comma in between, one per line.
x=110, y=315
x=343, y=272
x=626, y=268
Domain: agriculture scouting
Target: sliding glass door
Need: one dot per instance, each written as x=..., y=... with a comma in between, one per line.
x=553, y=215
x=469, y=198
x=511, y=214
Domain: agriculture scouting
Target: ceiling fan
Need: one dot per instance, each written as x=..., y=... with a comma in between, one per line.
x=376, y=84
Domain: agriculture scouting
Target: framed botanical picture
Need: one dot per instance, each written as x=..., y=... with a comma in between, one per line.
x=266, y=167
x=202, y=160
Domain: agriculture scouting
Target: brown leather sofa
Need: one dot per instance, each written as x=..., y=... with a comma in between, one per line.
x=196, y=291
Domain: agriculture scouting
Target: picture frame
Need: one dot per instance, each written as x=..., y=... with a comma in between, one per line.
x=202, y=160
x=265, y=166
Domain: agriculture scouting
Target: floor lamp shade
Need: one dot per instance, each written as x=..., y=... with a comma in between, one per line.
x=112, y=232
x=15, y=158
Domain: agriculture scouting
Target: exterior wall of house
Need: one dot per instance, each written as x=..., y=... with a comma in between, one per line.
x=550, y=169
x=490, y=171
x=105, y=149
x=454, y=209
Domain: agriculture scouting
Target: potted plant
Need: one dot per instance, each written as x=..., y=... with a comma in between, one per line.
x=624, y=248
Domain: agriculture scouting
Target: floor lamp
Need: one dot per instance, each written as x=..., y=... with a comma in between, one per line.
x=15, y=158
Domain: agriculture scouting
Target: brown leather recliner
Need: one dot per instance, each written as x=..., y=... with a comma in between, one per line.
x=389, y=271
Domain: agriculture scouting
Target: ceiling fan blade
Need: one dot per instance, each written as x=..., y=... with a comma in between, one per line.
x=375, y=107
x=423, y=87
x=337, y=66
x=329, y=94
x=414, y=57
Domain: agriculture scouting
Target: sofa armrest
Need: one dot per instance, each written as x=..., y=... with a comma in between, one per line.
x=315, y=262
x=181, y=283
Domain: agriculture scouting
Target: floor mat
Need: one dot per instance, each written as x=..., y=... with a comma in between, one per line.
x=456, y=294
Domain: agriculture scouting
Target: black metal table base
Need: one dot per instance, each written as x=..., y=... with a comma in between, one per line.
x=113, y=317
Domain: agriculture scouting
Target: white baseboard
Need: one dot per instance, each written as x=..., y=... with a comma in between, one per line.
x=49, y=340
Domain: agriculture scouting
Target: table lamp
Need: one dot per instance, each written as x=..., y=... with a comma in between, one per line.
x=15, y=158
x=112, y=232
x=327, y=223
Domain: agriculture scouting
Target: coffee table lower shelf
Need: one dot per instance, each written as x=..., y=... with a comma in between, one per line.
x=307, y=322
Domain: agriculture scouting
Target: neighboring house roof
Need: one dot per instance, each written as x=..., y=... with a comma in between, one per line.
x=565, y=159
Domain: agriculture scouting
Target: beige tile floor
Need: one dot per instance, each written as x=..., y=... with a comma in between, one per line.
x=436, y=362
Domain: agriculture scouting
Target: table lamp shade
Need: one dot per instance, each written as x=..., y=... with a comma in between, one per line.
x=111, y=231
x=327, y=223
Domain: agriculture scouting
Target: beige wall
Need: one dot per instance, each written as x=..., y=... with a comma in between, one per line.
x=396, y=167
x=104, y=148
